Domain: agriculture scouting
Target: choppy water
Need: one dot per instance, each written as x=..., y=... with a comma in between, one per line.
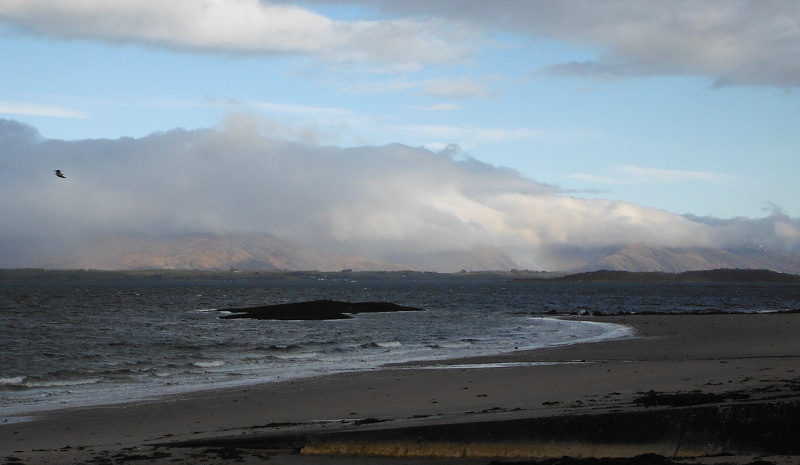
x=77, y=344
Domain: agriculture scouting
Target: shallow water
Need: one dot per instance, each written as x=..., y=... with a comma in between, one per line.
x=77, y=344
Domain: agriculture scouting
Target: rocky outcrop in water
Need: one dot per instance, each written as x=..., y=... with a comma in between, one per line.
x=314, y=310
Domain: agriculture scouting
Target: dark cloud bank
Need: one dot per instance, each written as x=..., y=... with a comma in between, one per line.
x=390, y=203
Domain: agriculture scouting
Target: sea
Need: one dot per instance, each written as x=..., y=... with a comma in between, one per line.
x=71, y=344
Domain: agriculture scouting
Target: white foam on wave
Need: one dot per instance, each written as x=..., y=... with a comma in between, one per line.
x=13, y=381
x=476, y=366
x=560, y=332
x=61, y=383
x=594, y=331
x=389, y=344
x=209, y=364
x=296, y=356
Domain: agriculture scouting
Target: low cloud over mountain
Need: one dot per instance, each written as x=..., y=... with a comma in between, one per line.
x=384, y=204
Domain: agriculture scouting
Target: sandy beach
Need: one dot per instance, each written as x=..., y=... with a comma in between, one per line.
x=563, y=401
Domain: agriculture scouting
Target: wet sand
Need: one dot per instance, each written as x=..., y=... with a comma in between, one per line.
x=502, y=406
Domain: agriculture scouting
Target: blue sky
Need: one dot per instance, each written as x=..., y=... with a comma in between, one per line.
x=680, y=107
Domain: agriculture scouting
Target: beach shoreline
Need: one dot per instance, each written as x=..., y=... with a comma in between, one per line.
x=742, y=359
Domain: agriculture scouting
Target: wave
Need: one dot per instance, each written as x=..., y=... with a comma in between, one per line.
x=61, y=383
x=283, y=347
x=297, y=356
x=209, y=364
x=389, y=344
x=381, y=345
x=13, y=381
x=463, y=344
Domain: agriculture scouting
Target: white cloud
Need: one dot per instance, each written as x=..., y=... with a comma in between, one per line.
x=455, y=88
x=458, y=88
x=35, y=109
x=788, y=232
x=380, y=202
x=731, y=42
x=239, y=26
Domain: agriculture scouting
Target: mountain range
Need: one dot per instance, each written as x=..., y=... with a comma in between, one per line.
x=265, y=252
x=204, y=252
x=677, y=260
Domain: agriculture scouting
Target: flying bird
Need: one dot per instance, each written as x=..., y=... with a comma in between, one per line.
x=59, y=174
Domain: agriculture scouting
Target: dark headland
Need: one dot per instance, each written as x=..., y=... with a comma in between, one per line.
x=724, y=275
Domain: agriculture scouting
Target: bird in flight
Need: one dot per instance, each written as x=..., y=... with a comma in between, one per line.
x=59, y=174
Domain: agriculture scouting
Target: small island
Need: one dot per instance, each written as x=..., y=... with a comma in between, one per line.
x=314, y=310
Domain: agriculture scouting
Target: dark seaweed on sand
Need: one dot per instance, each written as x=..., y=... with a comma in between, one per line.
x=685, y=399
x=644, y=459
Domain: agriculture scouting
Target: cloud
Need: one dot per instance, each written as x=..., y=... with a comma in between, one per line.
x=738, y=43
x=734, y=43
x=35, y=109
x=589, y=69
x=456, y=88
x=629, y=174
x=380, y=202
x=240, y=26
x=775, y=231
x=460, y=88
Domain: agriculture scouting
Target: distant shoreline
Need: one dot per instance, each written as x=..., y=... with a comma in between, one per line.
x=41, y=275
x=22, y=275
x=724, y=275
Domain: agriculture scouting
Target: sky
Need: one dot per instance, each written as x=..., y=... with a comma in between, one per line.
x=387, y=128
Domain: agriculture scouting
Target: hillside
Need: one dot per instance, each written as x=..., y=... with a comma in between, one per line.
x=205, y=252
x=249, y=252
x=641, y=258
x=478, y=259
x=266, y=252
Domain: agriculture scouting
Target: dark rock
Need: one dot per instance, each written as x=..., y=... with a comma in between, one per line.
x=681, y=399
x=314, y=310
